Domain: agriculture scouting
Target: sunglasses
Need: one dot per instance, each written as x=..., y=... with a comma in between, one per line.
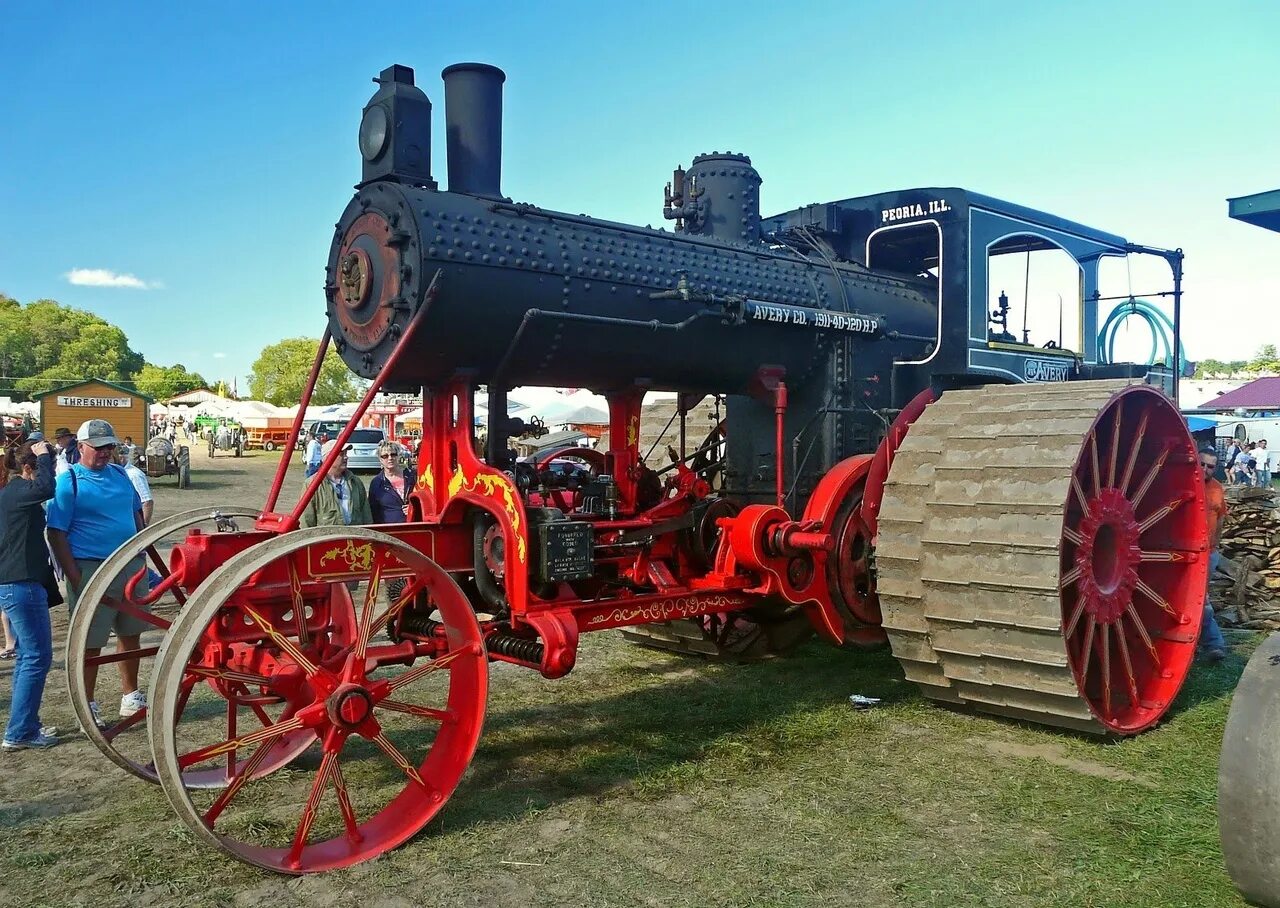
x=386, y=457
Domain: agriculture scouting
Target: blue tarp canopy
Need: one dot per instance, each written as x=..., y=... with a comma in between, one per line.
x=1200, y=423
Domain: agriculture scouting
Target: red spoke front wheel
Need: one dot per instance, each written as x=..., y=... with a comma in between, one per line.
x=392, y=726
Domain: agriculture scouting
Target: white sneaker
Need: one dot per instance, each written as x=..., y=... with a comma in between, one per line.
x=132, y=703
x=97, y=716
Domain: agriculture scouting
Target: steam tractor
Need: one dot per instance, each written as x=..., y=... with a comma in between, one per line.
x=1022, y=523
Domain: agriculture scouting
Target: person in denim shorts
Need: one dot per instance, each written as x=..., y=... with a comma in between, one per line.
x=24, y=571
x=95, y=510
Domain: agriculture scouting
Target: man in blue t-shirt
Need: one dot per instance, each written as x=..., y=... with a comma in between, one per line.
x=95, y=510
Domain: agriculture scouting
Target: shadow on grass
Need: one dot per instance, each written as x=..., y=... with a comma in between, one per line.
x=531, y=757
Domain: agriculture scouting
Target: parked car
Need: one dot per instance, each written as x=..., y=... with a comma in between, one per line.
x=364, y=449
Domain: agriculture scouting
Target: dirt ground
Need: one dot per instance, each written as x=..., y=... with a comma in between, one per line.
x=647, y=779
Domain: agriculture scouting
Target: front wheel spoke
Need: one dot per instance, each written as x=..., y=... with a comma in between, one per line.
x=310, y=809
x=411, y=589
x=1132, y=612
x=344, y=803
x=282, y=641
x=366, y=610
x=1159, y=514
x=229, y=674
x=1141, y=586
x=128, y=608
x=393, y=754
x=163, y=570
x=145, y=652
x=1072, y=536
x=422, y=712
x=421, y=671
x=124, y=724
x=1147, y=480
x=299, y=605
x=1069, y=578
x=268, y=734
x=237, y=782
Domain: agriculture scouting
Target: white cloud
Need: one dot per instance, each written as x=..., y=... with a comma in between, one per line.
x=219, y=356
x=104, y=277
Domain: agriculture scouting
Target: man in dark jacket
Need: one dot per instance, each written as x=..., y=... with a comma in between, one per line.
x=24, y=571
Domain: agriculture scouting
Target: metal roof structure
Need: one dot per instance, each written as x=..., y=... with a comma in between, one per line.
x=1261, y=209
x=1261, y=393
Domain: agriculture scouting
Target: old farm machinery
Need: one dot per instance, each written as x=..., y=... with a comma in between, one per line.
x=1022, y=524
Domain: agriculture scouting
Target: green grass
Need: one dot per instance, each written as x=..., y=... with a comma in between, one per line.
x=644, y=778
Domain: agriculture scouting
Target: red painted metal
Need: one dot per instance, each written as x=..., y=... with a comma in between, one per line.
x=283, y=523
x=324, y=680
x=1134, y=561
x=837, y=503
x=277, y=482
x=883, y=458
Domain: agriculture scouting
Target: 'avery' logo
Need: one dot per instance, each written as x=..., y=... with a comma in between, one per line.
x=906, y=212
x=1046, y=370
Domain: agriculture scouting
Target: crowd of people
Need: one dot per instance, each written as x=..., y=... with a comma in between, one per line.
x=73, y=504
x=1250, y=464
x=77, y=500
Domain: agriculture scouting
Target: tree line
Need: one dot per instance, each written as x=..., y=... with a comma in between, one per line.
x=45, y=345
x=1265, y=362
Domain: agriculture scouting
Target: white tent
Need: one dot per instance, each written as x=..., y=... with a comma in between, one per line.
x=410, y=416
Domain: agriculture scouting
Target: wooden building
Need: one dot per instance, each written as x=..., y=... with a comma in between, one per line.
x=124, y=408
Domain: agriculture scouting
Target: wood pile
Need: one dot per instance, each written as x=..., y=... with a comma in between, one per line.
x=1245, y=590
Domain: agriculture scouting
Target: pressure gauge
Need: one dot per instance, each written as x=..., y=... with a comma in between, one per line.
x=373, y=132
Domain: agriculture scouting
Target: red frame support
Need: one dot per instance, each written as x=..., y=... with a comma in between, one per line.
x=269, y=519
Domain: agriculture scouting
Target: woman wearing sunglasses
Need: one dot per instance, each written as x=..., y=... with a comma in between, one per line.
x=389, y=490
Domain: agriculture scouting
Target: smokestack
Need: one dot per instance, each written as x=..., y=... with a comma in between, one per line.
x=473, y=128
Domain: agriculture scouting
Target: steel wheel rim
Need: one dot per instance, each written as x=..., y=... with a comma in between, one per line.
x=422, y=795
x=141, y=545
x=1133, y=560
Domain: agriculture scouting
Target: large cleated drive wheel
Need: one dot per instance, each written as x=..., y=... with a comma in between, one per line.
x=1249, y=779
x=1041, y=553
x=124, y=741
x=388, y=742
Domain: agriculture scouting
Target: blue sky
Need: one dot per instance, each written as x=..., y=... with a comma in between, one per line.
x=207, y=149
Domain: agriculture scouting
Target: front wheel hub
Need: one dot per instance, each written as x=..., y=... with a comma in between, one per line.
x=349, y=706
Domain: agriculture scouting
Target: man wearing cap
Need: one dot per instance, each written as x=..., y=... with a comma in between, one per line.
x=341, y=499
x=95, y=510
x=67, y=452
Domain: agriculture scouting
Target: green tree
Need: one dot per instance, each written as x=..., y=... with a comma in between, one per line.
x=163, y=382
x=1265, y=360
x=44, y=345
x=280, y=374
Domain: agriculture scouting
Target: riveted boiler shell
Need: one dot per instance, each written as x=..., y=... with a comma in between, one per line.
x=479, y=268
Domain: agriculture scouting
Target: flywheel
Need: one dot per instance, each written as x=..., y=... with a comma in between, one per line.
x=1042, y=553
x=1249, y=779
